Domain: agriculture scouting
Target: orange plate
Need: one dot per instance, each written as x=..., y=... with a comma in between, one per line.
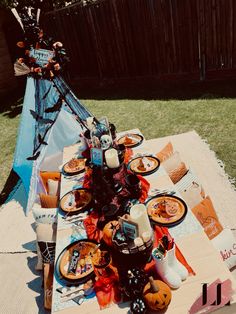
x=154, y=164
x=133, y=140
x=166, y=210
x=68, y=204
x=79, y=167
x=84, y=265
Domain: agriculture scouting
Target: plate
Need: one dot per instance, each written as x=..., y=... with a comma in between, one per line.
x=166, y=210
x=144, y=165
x=75, y=201
x=131, y=140
x=74, y=166
x=84, y=269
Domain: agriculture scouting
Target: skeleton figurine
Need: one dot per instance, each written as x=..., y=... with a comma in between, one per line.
x=95, y=142
x=106, y=141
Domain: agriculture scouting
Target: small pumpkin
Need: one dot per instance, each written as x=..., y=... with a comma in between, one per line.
x=108, y=231
x=156, y=294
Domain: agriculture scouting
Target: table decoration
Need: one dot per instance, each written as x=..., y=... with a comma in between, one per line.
x=166, y=210
x=176, y=265
x=109, y=230
x=131, y=140
x=157, y=294
x=75, y=201
x=138, y=306
x=133, y=281
x=102, y=264
x=138, y=214
x=111, y=157
x=121, y=152
x=128, y=252
x=107, y=291
x=144, y=165
x=133, y=185
x=159, y=232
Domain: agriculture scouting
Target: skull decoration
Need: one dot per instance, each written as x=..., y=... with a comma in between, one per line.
x=105, y=141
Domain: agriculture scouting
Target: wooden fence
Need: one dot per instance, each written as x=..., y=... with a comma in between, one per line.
x=191, y=39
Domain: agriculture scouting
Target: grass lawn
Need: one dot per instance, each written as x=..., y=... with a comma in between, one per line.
x=213, y=119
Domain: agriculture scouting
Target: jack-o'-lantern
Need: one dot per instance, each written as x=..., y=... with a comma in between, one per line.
x=108, y=231
x=156, y=294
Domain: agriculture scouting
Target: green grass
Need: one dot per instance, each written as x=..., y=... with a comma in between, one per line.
x=213, y=119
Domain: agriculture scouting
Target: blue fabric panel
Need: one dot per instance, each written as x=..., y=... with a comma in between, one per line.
x=26, y=134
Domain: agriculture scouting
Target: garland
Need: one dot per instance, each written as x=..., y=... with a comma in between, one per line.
x=35, y=39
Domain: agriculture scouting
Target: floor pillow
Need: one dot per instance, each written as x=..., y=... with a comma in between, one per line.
x=166, y=152
x=225, y=243
x=45, y=175
x=172, y=162
x=193, y=195
x=48, y=201
x=53, y=187
x=206, y=215
x=46, y=239
x=44, y=215
x=177, y=173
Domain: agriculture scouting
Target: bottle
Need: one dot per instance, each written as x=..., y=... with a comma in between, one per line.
x=100, y=135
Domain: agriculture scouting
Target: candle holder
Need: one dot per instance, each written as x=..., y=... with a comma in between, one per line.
x=133, y=185
x=126, y=254
x=121, y=152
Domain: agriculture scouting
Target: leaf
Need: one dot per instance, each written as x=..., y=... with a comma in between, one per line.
x=41, y=141
x=41, y=120
x=35, y=115
x=56, y=107
x=34, y=157
x=47, y=92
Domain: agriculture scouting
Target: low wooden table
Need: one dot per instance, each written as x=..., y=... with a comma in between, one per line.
x=189, y=236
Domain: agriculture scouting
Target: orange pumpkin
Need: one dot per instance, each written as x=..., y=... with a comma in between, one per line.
x=108, y=231
x=157, y=294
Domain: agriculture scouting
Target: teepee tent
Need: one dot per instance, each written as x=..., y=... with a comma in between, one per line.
x=52, y=118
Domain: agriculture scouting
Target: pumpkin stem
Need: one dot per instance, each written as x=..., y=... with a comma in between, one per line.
x=154, y=286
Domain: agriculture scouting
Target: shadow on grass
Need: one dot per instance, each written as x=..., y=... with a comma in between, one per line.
x=148, y=89
x=11, y=102
x=137, y=88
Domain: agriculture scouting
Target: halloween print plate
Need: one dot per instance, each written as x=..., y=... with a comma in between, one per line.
x=166, y=210
x=74, y=166
x=74, y=263
x=75, y=201
x=144, y=165
x=130, y=140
